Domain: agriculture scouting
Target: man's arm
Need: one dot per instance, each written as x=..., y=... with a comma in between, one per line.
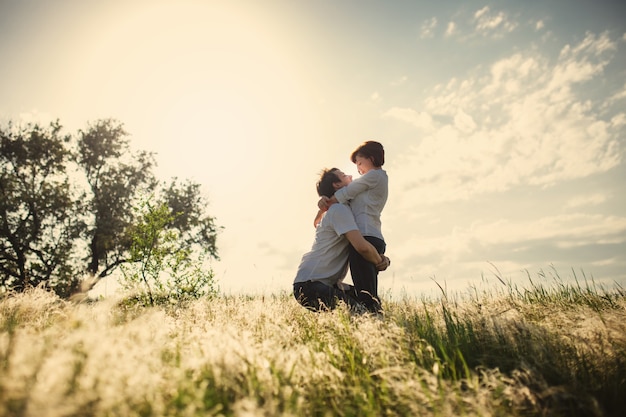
x=367, y=250
x=318, y=217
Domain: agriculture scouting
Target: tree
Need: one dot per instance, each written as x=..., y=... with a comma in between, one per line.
x=51, y=219
x=114, y=175
x=196, y=228
x=115, y=183
x=38, y=223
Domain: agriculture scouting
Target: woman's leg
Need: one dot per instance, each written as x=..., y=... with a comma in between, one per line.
x=365, y=275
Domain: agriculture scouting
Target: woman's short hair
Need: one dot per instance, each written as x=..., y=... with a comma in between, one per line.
x=325, y=184
x=370, y=149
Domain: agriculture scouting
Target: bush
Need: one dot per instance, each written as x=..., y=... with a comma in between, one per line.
x=160, y=269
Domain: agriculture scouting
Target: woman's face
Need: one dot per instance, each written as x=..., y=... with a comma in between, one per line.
x=363, y=165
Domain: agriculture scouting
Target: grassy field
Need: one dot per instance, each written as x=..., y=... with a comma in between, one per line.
x=557, y=351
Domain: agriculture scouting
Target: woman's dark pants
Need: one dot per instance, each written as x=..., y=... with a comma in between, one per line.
x=365, y=275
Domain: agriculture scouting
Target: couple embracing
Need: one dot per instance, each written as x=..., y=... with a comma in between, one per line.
x=348, y=234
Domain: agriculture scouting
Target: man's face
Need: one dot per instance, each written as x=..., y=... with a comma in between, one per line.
x=343, y=179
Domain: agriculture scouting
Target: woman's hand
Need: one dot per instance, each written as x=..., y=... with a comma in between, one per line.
x=323, y=203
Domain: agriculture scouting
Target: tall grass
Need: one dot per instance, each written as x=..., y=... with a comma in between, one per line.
x=508, y=351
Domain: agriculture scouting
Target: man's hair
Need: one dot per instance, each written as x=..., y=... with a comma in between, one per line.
x=372, y=150
x=325, y=184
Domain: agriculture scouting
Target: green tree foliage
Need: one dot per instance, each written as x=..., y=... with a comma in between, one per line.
x=39, y=228
x=113, y=180
x=187, y=204
x=161, y=268
x=53, y=216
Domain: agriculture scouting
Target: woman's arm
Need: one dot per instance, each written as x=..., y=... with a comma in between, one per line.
x=325, y=202
x=347, y=193
x=361, y=184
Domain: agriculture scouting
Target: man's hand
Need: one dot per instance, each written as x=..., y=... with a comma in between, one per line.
x=384, y=264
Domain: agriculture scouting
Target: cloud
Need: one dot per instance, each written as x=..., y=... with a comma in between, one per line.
x=487, y=23
x=586, y=200
x=512, y=245
x=522, y=121
x=399, y=81
x=451, y=29
x=620, y=95
x=483, y=23
x=420, y=120
x=539, y=25
x=428, y=28
x=562, y=230
x=464, y=122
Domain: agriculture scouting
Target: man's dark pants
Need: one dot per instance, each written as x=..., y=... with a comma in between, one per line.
x=317, y=296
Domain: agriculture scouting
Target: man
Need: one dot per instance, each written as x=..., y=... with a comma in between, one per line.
x=319, y=280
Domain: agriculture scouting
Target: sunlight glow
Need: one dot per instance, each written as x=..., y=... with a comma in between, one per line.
x=219, y=79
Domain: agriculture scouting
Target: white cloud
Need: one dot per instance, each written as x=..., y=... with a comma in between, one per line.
x=522, y=122
x=563, y=230
x=539, y=25
x=517, y=67
x=480, y=13
x=420, y=120
x=451, y=29
x=592, y=44
x=488, y=23
x=607, y=262
x=586, y=200
x=448, y=248
x=399, y=81
x=466, y=251
x=618, y=120
x=619, y=95
x=428, y=28
x=464, y=122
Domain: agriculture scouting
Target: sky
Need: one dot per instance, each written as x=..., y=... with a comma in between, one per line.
x=503, y=122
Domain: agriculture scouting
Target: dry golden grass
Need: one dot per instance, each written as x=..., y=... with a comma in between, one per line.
x=489, y=355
